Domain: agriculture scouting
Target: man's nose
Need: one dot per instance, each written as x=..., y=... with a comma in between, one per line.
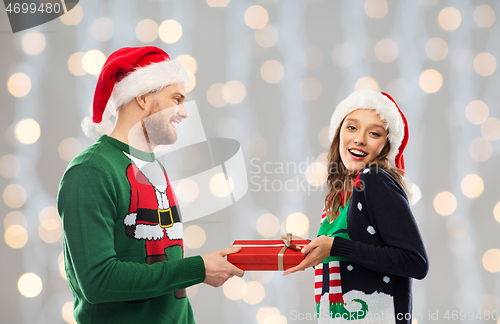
x=183, y=113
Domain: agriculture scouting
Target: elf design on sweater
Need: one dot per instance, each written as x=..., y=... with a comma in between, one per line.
x=327, y=273
x=376, y=252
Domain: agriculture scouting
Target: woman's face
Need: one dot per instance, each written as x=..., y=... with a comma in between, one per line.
x=362, y=138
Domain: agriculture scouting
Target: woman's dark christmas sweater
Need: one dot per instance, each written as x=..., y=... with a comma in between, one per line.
x=376, y=252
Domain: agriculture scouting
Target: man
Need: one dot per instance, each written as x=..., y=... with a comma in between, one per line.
x=122, y=226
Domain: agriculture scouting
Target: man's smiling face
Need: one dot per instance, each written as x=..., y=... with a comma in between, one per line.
x=166, y=112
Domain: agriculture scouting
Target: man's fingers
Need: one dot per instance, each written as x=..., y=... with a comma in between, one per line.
x=238, y=272
x=229, y=250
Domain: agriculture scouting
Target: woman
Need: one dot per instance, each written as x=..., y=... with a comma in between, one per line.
x=368, y=246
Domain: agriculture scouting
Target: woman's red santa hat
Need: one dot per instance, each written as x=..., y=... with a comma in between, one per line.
x=130, y=72
x=396, y=123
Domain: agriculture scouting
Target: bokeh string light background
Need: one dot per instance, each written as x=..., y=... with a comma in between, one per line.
x=268, y=74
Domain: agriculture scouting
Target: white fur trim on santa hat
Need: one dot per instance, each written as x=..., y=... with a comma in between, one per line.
x=93, y=130
x=152, y=77
x=385, y=108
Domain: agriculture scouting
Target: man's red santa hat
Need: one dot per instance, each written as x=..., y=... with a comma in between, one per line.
x=130, y=72
x=396, y=124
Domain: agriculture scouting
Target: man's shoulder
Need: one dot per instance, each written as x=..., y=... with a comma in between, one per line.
x=100, y=155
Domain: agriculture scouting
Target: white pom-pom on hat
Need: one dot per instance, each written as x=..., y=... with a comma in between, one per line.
x=95, y=130
x=412, y=190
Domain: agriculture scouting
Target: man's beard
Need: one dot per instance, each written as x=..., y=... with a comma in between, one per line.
x=156, y=130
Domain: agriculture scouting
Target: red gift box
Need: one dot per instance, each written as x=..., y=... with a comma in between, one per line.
x=265, y=255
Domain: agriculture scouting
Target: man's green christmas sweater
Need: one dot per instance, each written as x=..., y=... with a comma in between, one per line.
x=122, y=243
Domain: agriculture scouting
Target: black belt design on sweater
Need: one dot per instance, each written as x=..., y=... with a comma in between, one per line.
x=163, y=217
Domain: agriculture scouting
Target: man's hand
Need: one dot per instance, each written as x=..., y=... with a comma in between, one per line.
x=217, y=269
x=316, y=251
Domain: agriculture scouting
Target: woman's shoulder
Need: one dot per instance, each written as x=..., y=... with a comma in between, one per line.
x=374, y=172
x=375, y=178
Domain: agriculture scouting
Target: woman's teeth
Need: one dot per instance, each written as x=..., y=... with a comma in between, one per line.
x=358, y=153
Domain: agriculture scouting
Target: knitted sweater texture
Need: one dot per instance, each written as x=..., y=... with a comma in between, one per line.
x=374, y=256
x=122, y=239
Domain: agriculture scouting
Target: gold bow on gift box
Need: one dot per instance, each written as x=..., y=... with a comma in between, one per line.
x=287, y=244
x=287, y=240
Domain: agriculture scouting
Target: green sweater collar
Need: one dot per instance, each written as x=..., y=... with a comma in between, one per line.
x=145, y=156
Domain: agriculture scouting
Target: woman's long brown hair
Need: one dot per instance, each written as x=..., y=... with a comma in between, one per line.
x=337, y=174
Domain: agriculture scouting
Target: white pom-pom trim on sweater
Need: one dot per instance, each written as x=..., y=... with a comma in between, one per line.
x=371, y=99
x=148, y=232
x=130, y=219
x=175, y=232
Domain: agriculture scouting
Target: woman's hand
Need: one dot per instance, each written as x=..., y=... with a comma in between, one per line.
x=316, y=251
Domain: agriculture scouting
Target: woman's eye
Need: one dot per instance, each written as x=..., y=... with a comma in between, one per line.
x=351, y=128
x=375, y=134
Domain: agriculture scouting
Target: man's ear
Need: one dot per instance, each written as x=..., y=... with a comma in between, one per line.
x=141, y=101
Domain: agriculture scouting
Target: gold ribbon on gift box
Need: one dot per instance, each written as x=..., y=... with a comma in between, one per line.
x=287, y=240
x=287, y=244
